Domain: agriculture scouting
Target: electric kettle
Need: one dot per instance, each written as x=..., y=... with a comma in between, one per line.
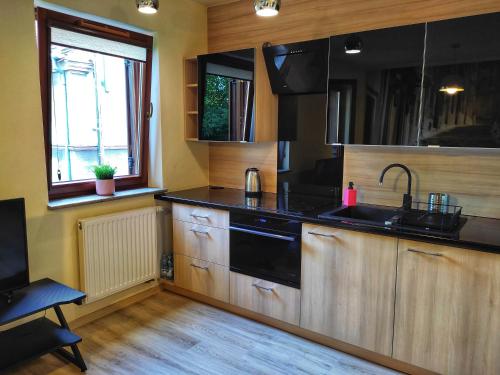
x=252, y=183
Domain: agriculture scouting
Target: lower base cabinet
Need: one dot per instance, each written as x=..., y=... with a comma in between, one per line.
x=348, y=281
x=266, y=298
x=202, y=277
x=447, y=316
x=432, y=306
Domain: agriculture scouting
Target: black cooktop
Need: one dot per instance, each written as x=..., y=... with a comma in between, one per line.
x=280, y=203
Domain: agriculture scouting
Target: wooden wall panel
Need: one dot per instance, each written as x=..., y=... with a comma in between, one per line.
x=228, y=162
x=266, y=103
x=235, y=25
x=460, y=172
x=470, y=176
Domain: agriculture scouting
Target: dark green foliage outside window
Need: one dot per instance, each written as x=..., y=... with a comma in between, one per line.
x=216, y=108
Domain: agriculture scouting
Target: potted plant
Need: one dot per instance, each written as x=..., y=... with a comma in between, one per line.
x=104, y=183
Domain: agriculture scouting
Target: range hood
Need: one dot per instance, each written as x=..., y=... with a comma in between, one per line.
x=298, y=68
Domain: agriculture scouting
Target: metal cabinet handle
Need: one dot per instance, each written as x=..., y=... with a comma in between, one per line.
x=322, y=234
x=263, y=234
x=200, y=216
x=425, y=252
x=267, y=289
x=200, y=267
x=205, y=232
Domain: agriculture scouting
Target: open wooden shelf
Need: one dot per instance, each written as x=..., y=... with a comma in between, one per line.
x=191, y=99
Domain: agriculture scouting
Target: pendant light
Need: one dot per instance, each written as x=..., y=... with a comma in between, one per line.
x=453, y=83
x=267, y=8
x=353, y=45
x=147, y=6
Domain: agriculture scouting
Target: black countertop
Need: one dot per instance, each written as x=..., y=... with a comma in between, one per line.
x=478, y=233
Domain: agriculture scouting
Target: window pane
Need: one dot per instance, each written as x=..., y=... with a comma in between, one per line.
x=96, y=113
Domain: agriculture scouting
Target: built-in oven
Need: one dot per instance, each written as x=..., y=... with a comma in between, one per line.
x=266, y=247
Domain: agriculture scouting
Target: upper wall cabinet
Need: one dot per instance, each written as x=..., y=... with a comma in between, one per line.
x=226, y=96
x=462, y=83
x=374, y=86
x=379, y=96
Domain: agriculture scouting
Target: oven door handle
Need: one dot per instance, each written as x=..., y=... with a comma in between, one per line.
x=263, y=234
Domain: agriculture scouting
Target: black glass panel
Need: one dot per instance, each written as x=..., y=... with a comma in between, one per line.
x=462, y=83
x=267, y=248
x=226, y=96
x=374, y=86
x=306, y=164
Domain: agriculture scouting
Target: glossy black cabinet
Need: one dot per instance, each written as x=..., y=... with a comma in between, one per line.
x=385, y=89
x=374, y=86
x=462, y=83
x=226, y=96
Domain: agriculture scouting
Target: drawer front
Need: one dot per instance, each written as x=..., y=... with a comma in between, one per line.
x=201, y=242
x=209, y=279
x=264, y=297
x=201, y=215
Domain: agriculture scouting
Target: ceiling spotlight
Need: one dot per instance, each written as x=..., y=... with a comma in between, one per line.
x=452, y=84
x=353, y=45
x=267, y=8
x=147, y=6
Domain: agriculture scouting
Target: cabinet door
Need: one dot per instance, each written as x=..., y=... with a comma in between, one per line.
x=201, y=242
x=348, y=281
x=202, y=277
x=275, y=300
x=200, y=215
x=373, y=95
x=447, y=316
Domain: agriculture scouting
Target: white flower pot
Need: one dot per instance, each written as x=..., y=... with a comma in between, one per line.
x=105, y=187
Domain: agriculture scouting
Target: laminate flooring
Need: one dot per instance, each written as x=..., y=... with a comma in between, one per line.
x=171, y=334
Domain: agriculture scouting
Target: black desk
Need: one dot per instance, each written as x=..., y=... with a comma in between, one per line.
x=40, y=336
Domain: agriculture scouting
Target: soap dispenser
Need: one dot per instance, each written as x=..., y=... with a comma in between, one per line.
x=350, y=195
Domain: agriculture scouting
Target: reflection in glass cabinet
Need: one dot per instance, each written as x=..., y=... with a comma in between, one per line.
x=462, y=83
x=378, y=78
x=226, y=96
x=374, y=86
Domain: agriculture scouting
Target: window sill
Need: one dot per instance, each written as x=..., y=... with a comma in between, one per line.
x=57, y=204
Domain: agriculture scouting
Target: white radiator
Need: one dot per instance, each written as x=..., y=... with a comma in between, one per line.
x=118, y=251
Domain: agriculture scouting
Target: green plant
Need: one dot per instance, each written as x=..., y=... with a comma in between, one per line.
x=103, y=171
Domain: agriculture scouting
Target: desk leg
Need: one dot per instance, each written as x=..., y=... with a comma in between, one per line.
x=75, y=358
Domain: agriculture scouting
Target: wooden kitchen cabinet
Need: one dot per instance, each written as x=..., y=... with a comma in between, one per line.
x=275, y=300
x=201, y=250
x=447, y=315
x=209, y=279
x=201, y=242
x=201, y=215
x=348, y=281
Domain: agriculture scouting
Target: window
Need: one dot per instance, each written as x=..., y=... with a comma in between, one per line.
x=95, y=86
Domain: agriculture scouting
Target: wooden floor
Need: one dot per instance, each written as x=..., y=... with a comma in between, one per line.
x=170, y=334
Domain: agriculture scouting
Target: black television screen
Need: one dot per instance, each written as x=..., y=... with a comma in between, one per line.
x=13, y=245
